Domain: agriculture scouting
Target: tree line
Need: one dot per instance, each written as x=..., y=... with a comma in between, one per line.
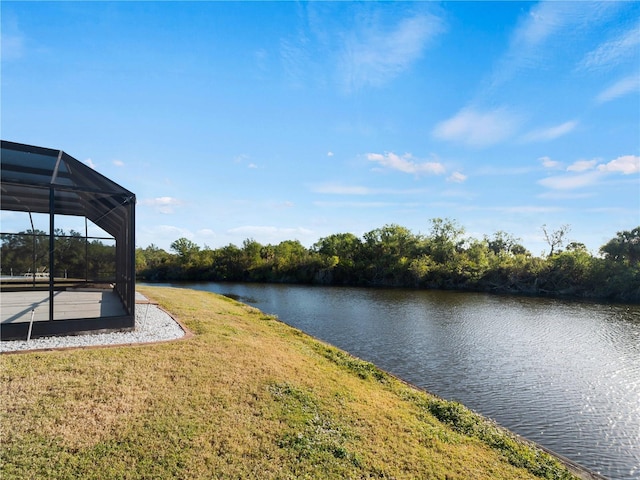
x=393, y=256
x=74, y=255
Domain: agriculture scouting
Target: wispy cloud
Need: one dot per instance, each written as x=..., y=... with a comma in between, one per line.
x=366, y=49
x=12, y=40
x=244, y=159
x=585, y=173
x=615, y=51
x=489, y=170
x=564, y=195
x=457, y=177
x=90, y=163
x=526, y=209
x=406, y=163
x=118, y=163
x=582, y=165
x=550, y=133
x=164, y=205
x=548, y=162
x=620, y=88
x=478, y=129
x=341, y=189
x=161, y=234
x=542, y=21
x=12, y=46
x=373, y=55
x=544, y=30
x=270, y=232
x=569, y=182
x=341, y=204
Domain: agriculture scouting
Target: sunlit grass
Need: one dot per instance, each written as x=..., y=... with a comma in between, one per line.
x=246, y=397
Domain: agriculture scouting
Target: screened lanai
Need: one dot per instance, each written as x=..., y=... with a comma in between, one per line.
x=57, y=282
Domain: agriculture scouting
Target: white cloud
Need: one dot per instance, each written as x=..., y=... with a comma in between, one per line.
x=546, y=29
x=626, y=164
x=285, y=204
x=90, y=163
x=270, y=233
x=267, y=229
x=164, y=205
x=548, y=162
x=118, y=163
x=582, y=165
x=569, y=182
x=488, y=170
x=252, y=166
x=204, y=235
x=329, y=154
x=564, y=195
x=614, y=51
x=206, y=232
x=457, y=177
x=527, y=209
x=550, y=133
x=405, y=164
x=12, y=40
x=339, y=189
x=12, y=46
x=478, y=129
x=584, y=173
x=363, y=204
x=372, y=55
x=543, y=20
x=161, y=235
x=620, y=88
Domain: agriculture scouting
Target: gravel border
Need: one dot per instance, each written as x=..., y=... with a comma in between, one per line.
x=152, y=325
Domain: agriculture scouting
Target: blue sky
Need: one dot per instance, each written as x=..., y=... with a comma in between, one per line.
x=288, y=120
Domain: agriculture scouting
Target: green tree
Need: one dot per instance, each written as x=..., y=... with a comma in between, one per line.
x=503, y=243
x=70, y=255
x=228, y=263
x=24, y=252
x=344, y=246
x=625, y=247
x=251, y=250
x=186, y=250
x=444, y=240
x=386, y=254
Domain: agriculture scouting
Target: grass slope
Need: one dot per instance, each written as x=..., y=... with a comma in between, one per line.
x=245, y=397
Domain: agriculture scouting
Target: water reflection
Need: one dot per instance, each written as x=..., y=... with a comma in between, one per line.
x=564, y=374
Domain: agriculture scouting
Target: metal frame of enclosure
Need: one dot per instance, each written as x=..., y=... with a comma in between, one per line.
x=48, y=181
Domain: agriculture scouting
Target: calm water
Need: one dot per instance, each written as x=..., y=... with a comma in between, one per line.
x=564, y=374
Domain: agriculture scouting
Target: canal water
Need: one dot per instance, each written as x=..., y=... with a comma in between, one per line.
x=564, y=374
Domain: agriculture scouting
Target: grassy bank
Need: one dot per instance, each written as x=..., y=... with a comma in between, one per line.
x=245, y=397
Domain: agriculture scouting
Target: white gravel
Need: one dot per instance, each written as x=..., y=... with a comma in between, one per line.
x=152, y=325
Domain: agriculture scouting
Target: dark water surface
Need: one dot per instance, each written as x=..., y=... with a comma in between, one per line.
x=561, y=373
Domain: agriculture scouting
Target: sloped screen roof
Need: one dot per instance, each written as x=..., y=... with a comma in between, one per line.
x=28, y=174
x=43, y=180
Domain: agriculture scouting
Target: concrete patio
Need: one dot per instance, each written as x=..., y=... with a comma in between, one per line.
x=17, y=307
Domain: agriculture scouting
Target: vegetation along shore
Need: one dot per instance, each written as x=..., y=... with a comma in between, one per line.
x=393, y=256
x=246, y=396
